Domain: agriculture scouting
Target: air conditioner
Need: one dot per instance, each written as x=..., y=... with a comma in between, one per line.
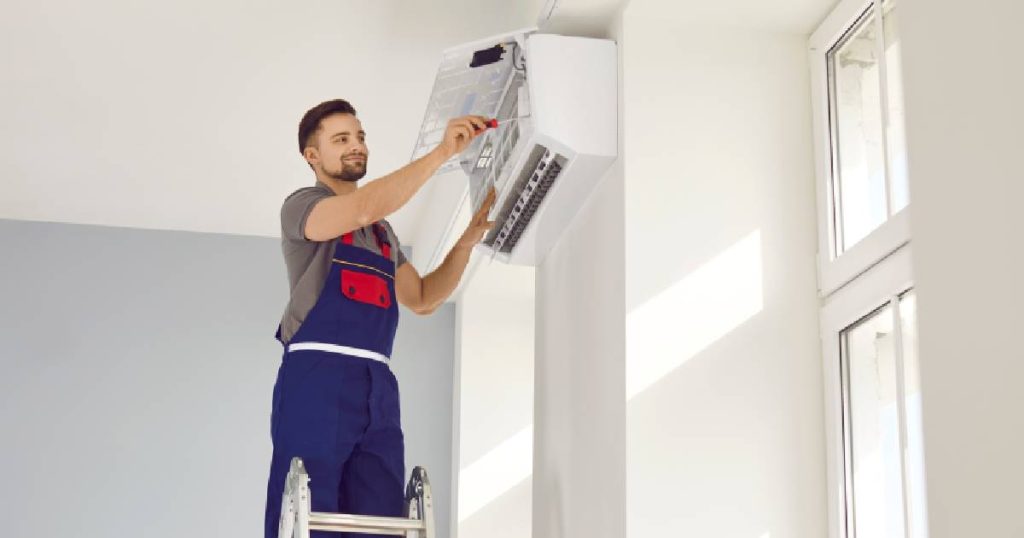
x=544, y=164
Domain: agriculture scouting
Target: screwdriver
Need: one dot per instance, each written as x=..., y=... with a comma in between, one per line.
x=494, y=122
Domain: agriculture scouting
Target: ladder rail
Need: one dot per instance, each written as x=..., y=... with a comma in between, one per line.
x=297, y=517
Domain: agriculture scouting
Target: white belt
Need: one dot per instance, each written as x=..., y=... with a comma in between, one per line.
x=335, y=348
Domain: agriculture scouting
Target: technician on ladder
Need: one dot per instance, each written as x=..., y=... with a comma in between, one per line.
x=335, y=401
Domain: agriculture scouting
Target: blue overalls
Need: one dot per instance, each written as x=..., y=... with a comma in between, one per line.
x=335, y=401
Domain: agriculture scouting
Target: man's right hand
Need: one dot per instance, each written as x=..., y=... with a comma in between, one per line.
x=460, y=133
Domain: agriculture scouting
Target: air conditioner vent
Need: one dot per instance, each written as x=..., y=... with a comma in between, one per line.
x=527, y=199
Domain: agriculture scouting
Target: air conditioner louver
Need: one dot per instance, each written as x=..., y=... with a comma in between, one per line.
x=528, y=193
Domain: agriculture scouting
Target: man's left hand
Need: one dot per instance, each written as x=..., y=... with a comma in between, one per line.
x=479, y=225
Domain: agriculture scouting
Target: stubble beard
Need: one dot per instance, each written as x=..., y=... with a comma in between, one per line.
x=349, y=172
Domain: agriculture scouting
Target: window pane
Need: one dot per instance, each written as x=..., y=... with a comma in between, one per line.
x=915, y=436
x=895, y=135
x=873, y=443
x=856, y=114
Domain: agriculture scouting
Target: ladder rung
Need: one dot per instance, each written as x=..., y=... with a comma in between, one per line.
x=323, y=521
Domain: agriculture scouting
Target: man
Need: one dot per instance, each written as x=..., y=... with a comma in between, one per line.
x=335, y=401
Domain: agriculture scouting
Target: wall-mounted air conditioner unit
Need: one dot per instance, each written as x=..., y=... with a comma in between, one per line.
x=545, y=164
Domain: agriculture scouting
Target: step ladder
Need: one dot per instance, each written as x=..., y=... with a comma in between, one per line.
x=297, y=519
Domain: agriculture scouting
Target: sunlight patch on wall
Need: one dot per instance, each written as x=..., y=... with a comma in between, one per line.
x=496, y=472
x=693, y=313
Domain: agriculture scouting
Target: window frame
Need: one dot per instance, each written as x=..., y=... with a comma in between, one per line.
x=836, y=270
x=871, y=274
x=883, y=283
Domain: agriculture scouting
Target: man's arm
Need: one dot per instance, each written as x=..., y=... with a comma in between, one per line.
x=337, y=215
x=426, y=294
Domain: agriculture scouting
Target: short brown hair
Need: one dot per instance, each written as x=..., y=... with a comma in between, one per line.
x=310, y=123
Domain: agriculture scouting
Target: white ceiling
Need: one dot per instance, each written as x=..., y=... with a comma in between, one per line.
x=789, y=16
x=182, y=115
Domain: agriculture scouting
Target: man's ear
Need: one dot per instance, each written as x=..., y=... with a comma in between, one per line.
x=312, y=155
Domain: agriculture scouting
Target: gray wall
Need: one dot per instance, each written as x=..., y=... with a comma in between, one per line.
x=135, y=382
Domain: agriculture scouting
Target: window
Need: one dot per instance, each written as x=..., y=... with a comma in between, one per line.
x=873, y=405
x=881, y=417
x=868, y=318
x=855, y=58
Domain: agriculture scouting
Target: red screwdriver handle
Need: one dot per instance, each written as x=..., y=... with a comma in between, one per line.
x=490, y=124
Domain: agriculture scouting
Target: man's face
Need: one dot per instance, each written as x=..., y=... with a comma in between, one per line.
x=340, y=151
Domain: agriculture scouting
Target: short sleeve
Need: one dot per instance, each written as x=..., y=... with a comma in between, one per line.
x=399, y=255
x=401, y=258
x=296, y=210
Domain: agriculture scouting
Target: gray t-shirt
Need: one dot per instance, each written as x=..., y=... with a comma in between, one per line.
x=308, y=261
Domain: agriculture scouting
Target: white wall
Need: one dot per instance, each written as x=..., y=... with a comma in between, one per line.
x=700, y=349
x=963, y=83
x=724, y=420
x=183, y=115
x=723, y=374
x=495, y=374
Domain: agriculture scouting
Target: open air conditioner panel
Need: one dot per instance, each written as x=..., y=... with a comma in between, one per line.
x=556, y=100
x=472, y=79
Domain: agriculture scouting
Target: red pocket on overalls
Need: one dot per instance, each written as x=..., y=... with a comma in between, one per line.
x=365, y=288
